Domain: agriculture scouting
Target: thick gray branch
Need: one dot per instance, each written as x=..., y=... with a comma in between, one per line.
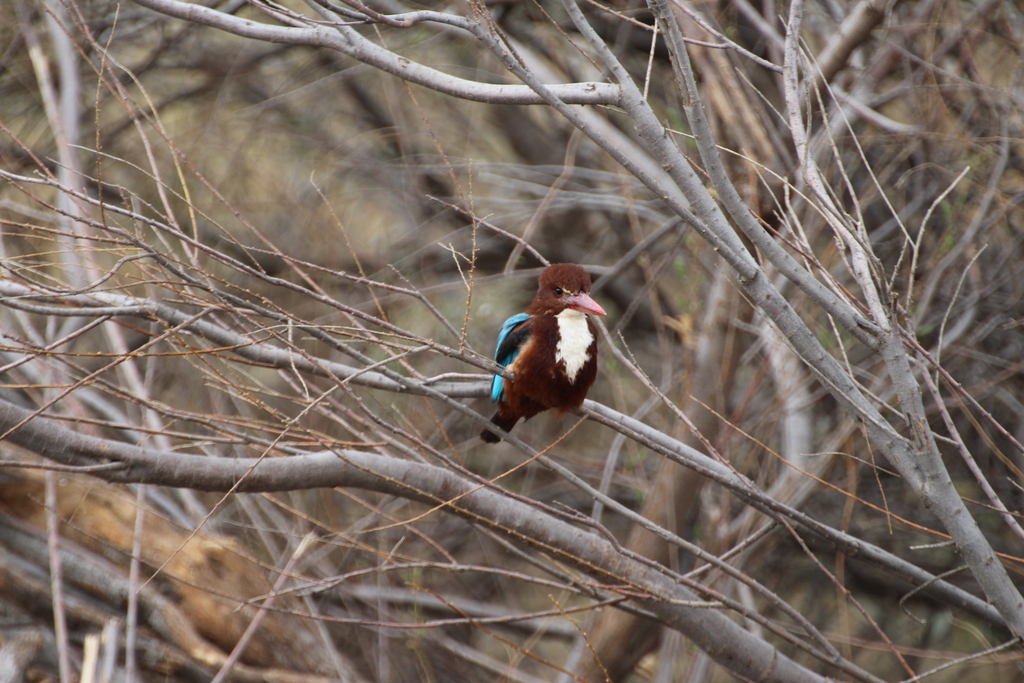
x=721, y=638
x=749, y=492
x=918, y=458
x=348, y=41
x=862, y=329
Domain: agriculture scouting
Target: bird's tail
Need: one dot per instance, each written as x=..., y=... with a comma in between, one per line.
x=506, y=423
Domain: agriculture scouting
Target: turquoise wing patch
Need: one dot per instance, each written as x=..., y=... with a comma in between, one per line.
x=507, y=350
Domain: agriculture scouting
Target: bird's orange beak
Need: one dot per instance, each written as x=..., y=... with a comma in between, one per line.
x=582, y=302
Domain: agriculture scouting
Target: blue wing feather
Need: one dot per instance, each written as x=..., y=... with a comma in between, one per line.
x=504, y=353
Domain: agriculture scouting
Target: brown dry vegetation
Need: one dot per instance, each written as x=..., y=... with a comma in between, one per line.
x=304, y=201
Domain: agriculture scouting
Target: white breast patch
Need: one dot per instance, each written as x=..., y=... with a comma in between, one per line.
x=574, y=340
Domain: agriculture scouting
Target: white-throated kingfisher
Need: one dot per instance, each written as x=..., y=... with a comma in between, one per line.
x=551, y=350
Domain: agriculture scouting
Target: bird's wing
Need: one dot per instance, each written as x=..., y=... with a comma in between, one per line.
x=513, y=334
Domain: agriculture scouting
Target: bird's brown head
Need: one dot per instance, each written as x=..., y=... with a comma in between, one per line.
x=562, y=286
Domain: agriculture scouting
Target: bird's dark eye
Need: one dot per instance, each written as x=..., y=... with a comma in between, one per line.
x=558, y=291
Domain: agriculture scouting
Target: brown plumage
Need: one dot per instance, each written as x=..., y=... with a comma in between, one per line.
x=551, y=349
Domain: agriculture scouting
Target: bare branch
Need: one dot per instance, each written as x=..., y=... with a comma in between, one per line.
x=347, y=40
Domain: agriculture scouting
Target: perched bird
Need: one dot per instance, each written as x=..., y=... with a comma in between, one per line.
x=551, y=349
